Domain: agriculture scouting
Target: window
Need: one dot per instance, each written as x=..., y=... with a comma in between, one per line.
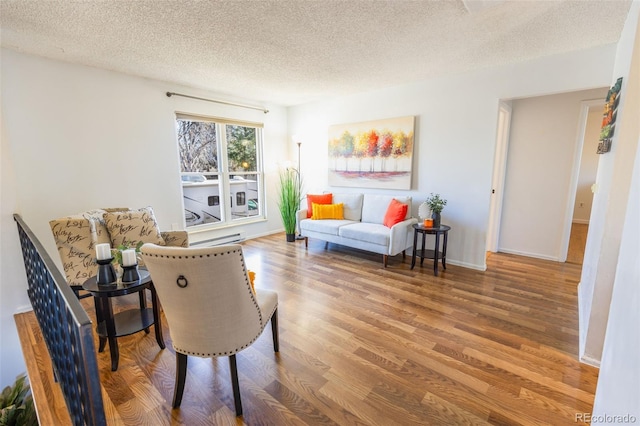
x=220, y=160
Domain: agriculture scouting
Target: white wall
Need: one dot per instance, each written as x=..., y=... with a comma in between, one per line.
x=609, y=202
x=455, y=133
x=78, y=138
x=540, y=161
x=588, y=166
x=12, y=273
x=618, y=391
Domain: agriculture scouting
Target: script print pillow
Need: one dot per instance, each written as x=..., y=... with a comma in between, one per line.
x=130, y=227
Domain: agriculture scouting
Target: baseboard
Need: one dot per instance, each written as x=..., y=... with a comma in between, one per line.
x=22, y=309
x=590, y=361
x=466, y=264
x=527, y=254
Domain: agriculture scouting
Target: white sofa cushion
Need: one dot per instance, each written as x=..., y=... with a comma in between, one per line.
x=374, y=207
x=367, y=232
x=352, y=205
x=326, y=226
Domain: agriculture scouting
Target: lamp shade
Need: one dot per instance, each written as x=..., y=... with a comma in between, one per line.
x=423, y=210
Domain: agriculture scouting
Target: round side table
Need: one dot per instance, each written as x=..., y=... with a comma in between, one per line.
x=110, y=326
x=434, y=254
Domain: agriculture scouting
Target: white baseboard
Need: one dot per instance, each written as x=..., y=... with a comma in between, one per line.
x=527, y=254
x=590, y=361
x=466, y=265
x=23, y=309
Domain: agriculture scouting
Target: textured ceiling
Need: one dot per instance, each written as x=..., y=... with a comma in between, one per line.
x=293, y=51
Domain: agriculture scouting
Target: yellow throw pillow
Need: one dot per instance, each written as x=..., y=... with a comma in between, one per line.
x=328, y=211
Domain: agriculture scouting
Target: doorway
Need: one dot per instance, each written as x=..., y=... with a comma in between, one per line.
x=590, y=122
x=536, y=180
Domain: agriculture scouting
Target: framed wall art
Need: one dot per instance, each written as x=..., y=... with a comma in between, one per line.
x=372, y=154
x=609, y=117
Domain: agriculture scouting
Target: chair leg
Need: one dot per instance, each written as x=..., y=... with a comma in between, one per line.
x=235, y=384
x=384, y=260
x=274, y=331
x=103, y=343
x=181, y=375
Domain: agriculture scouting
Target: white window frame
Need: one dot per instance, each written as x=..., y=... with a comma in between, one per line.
x=227, y=219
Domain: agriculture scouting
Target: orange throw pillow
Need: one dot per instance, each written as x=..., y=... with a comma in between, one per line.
x=252, y=278
x=327, y=211
x=396, y=213
x=318, y=199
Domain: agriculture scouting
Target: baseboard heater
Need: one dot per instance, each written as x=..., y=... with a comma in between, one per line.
x=225, y=239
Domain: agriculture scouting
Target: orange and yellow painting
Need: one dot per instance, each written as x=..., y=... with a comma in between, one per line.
x=609, y=117
x=372, y=154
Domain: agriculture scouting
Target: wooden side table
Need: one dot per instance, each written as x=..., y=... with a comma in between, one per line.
x=434, y=254
x=110, y=326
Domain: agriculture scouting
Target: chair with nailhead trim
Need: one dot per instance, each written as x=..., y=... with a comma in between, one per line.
x=210, y=306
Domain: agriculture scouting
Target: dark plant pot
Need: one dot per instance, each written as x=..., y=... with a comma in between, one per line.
x=436, y=219
x=291, y=238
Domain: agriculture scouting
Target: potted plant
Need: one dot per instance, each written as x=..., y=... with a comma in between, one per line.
x=289, y=200
x=16, y=404
x=436, y=204
x=117, y=252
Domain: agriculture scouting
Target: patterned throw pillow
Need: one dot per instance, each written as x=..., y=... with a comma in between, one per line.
x=132, y=226
x=76, y=237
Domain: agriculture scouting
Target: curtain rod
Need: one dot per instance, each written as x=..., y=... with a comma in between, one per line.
x=169, y=94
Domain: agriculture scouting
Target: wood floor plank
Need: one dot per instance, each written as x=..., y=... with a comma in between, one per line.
x=361, y=344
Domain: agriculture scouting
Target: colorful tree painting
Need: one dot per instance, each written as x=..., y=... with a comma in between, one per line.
x=383, y=150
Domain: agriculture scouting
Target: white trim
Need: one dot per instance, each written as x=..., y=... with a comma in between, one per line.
x=22, y=309
x=528, y=254
x=575, y=172
x=499, y=175
x=581, y=221
x=464, y=264
x=590, y=361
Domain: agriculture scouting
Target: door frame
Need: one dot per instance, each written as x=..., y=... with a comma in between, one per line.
x=585, y=106
x=499, y=175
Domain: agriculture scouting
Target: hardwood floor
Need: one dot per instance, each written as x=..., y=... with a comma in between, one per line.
x=364, y=345
x=577, y=242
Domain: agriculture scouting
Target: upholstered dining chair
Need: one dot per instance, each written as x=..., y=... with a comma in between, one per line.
x=210, y=306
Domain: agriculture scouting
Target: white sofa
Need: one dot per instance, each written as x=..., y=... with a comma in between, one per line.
x=362, y=227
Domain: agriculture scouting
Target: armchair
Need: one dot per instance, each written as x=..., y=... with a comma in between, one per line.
x=77, y=235
x=210, y=306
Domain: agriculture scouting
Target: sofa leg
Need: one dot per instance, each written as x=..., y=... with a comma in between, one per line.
x=384, y=260
x=306, y=242
x=326, y=245
x=404, y=254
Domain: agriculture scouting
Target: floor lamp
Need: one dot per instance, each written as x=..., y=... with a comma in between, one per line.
x=299, y=236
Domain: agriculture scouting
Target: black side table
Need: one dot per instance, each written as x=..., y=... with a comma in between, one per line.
x=127, y=322
x=430, y=254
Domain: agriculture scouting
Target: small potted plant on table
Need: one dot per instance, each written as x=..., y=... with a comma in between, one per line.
x=436, y=204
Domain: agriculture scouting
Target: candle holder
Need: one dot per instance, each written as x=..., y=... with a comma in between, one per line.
x=106, y=273
x=130, y=273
